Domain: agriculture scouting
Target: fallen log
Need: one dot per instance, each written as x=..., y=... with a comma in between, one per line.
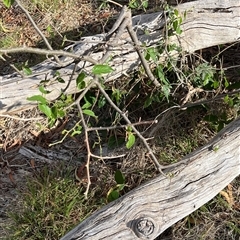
x=148, y=210
x=207, y=23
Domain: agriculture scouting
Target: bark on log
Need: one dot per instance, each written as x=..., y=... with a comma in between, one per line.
x=208, y=23
x=148, y=210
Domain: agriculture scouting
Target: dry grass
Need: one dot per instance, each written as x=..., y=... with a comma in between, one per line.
x=178, y=135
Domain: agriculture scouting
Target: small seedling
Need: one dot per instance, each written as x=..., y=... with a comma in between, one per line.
x=114, y=192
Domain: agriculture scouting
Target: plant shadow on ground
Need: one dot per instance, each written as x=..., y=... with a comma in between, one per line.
x=91, y=17
x=16, y=30
x=52, y=201
x=53, y=194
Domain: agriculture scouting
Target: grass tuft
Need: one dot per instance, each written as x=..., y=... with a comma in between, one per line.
x=51, y=205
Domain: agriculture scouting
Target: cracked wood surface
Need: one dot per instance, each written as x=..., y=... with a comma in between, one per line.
x=148, y=210
x=207, y=23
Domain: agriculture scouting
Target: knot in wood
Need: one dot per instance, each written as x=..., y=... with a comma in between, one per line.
x=144, y=227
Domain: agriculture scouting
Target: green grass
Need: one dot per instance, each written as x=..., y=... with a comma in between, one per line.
x=52, y=204
x=8, y=39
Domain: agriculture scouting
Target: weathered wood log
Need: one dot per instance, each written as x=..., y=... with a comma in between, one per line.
x=208, y=23
x=148, y=210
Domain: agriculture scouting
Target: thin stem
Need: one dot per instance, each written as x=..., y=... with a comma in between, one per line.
x=121, y=126
x=21, y=119
x=47, y=52
x=37, y=29
x=88, y=149
x=154, y=159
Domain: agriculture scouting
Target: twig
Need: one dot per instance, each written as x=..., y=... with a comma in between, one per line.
x=65, y=135
x=40, y=51
x=119, y=21
x=85, y=127
x=191, y=92
x=125, y=21
x=107, y=157
x=218, y=97
x=122, y=126
x=37, y=29
x=80, y=96
x=154, y=159
x=20, y=119
x=69, y=81
x=140, y=53
x=11, y=165
x=118, y=4
x=167, y=111
x=12, y=66
x=119, y=25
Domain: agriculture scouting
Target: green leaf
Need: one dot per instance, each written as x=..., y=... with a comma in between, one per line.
x=86, y=105
x=160, y=72
x=112, y=195
x=57, y=74
x=175, y=25
x=49, y=29
x=46, y=110
x=129, y=129
x=69, y=99
x=101, y=69
x=70, y=206
x=54, y=112
x=176, y=12
x=43, y=90
x=145, y=4
x=229, y=101
x=60, y=80
x=226, y=83
x=89, y=113
x=133, y=4
x=178, y=30
x=120, y=187
x=216, y=84
x=148, y=102
x=38, y=98
x=180, y=20
x=64, y=131
x=76, y=131
x=61, y=113
x=152, y=53
x=131, y=141
x=8, y=3
x=117, y=94
x=101, y=101
x=27, y=71
x=185, y=14
x=80, y=81
x=166, y=90
x=119, y=177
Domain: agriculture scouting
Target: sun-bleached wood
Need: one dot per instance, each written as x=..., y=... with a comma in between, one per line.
x=148, y=210
x=207, y=23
